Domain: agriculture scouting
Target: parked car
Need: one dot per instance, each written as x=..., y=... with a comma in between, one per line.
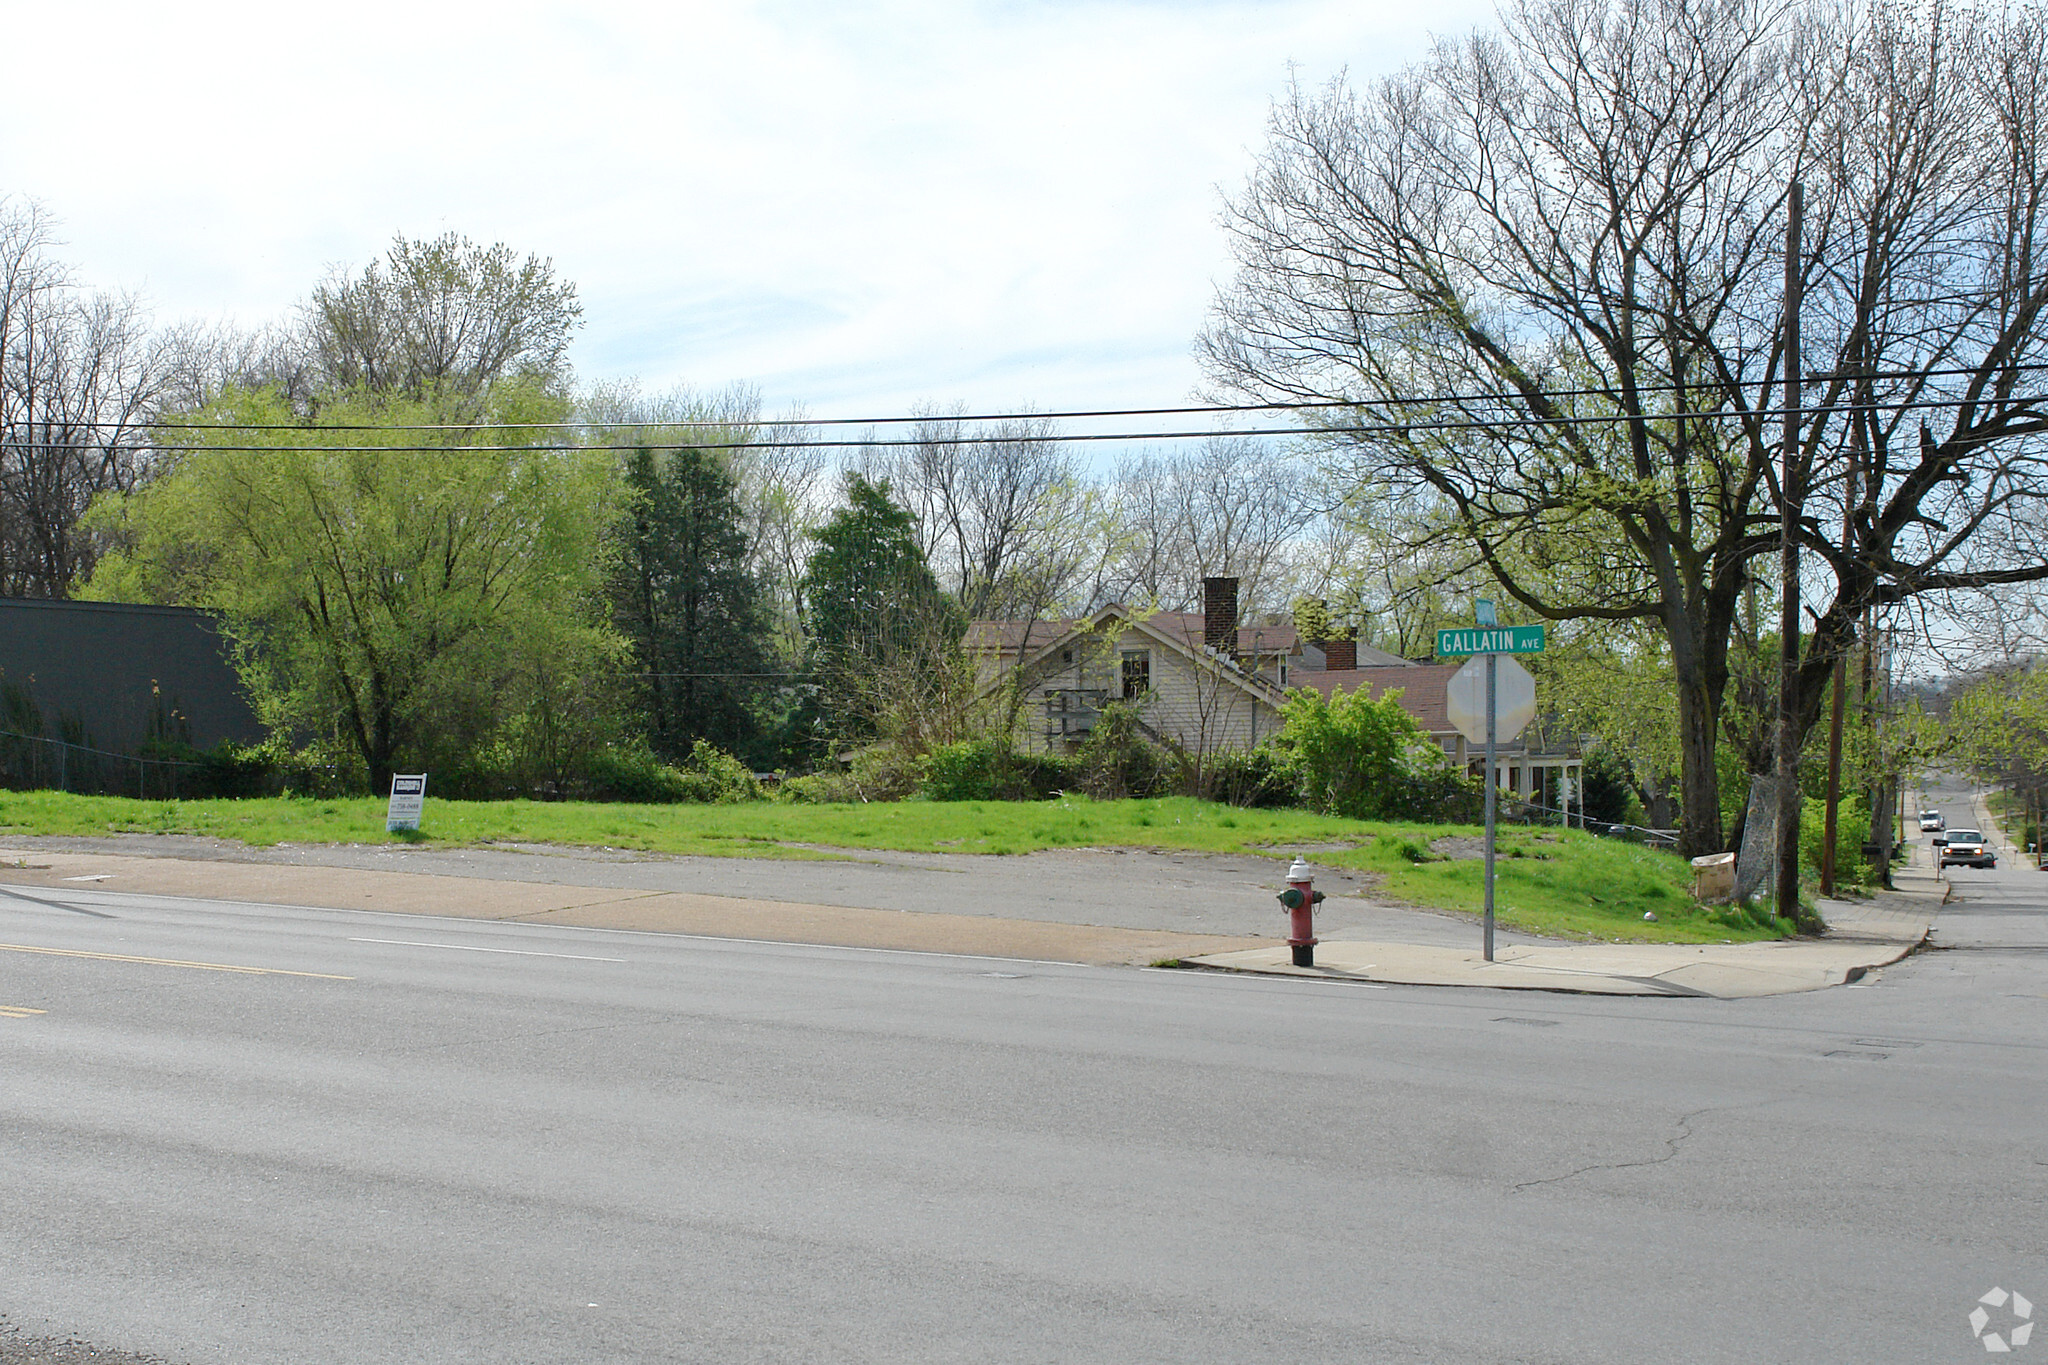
x=1967, y=846
x=1931, y=819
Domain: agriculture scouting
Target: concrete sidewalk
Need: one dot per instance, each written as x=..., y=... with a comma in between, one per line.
x=1861, y=936
x=1419, y=950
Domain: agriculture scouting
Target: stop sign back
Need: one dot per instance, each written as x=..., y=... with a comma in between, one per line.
x=1514, y=698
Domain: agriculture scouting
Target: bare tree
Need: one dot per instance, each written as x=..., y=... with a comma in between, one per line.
x=1232, y=507
x=1544, y=267
x=1004, y=513
x=79, y=375
x=443, y=316
x=1382, y=568
x=202, y=363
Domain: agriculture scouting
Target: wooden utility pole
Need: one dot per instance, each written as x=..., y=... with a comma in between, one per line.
x=1788, y=554
x=1850, y=492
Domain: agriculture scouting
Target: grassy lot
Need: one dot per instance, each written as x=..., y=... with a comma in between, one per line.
x=1549, y=881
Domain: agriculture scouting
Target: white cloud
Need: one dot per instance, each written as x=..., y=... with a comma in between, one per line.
x=855, y=206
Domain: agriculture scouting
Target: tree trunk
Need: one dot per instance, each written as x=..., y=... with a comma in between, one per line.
x=1699, y=830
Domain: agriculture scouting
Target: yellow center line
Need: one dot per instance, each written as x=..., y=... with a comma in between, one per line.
x=16, y=1011
x=168, y=962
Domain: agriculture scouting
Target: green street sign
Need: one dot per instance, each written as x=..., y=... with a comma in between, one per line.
x=1501, y=640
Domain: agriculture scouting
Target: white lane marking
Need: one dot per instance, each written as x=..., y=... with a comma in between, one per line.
x=96, y=877
x=472, y=948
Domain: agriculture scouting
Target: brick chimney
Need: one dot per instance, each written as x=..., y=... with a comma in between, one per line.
x=1339, y=653
x=1219, y=614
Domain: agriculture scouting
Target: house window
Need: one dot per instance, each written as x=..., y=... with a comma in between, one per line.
x=1137, y=673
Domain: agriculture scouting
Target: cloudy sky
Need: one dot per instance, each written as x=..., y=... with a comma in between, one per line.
x=855, y=207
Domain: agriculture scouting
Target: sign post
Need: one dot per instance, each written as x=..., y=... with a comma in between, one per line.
x=408, y=795
x=1487, y=719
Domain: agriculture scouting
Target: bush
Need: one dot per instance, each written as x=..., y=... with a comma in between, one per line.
x=630, y=772
x=1607, y=793
x=709, y=776
x=962, y=772
x=987, y=770
x=1353, y=752
x=880, y=772
x=1267, y=776
x=714, y=777
x=1433, y=792
x=235, y=770
x=1852, y=827
x=230, y=770
x=1042, y=776
x=1118, y=761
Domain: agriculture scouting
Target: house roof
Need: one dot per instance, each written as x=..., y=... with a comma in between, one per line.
x=1006, y=637
x=1254, y=638
x=1368, y=657
x=1176, y=639
x=1421, y=686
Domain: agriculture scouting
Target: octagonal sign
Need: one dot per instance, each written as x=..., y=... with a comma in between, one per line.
x=1514, y=698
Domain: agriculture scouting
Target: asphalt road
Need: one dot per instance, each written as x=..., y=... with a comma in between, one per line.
x=400, y=1139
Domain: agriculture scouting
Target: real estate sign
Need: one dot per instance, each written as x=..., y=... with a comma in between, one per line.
x=408, y=795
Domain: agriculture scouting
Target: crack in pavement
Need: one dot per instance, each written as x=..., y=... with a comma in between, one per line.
x=1671, y=1144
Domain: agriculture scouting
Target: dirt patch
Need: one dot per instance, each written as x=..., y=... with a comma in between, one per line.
x=1457, y=846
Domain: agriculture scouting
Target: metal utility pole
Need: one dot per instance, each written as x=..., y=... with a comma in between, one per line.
x=1788, y=554
x=1492, y=729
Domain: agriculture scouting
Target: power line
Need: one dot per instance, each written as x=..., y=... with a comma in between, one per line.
x=1392, y=428
x=718, y=424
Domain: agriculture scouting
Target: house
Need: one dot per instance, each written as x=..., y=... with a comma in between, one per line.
x=1205, y=683
x=1210, y=682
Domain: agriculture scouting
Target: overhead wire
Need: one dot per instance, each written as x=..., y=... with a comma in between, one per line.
x=943, y=418
x=1389, y=428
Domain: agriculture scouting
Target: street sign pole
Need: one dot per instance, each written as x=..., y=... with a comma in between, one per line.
x=1492, y=723
x=1476, y=720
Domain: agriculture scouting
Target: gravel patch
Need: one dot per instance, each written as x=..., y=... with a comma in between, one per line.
x=17, y=1349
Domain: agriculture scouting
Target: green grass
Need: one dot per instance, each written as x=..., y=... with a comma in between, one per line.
x=1559, y=883
x=759, y=829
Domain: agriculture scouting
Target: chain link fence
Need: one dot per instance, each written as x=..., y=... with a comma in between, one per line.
x=38, y=763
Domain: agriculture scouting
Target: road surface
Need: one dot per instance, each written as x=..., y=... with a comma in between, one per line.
x=260, y=1134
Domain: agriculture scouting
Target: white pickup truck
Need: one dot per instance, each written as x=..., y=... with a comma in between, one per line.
x=1967, y=846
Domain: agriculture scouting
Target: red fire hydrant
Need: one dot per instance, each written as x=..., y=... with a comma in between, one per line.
x=1301, y=898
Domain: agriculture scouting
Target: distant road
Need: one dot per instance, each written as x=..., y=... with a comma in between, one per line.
x=259, y=1135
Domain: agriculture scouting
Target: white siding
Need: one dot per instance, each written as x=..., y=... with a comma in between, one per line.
x=1198, y=706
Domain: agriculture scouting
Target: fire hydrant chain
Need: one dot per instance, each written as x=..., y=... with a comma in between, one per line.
x=1301, y=898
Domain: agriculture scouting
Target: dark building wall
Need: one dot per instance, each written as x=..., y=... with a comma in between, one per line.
x=111, y=666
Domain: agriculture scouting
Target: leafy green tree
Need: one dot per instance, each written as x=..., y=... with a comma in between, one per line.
x=682, y=594
x=393, y=605
x=1998, y=727
x=1614, y=682
x=884, y=639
